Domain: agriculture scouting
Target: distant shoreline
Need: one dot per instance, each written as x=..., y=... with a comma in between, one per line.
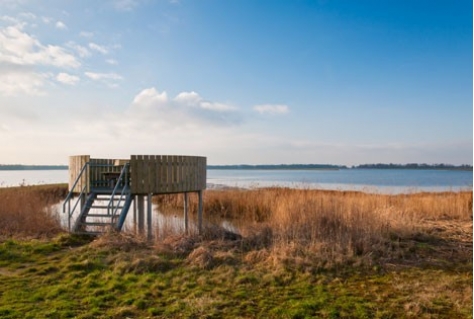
x=32, y=167
x=342, y=167
x=323, y=167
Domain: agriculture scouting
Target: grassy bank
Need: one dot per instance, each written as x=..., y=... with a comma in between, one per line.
x=301, y=254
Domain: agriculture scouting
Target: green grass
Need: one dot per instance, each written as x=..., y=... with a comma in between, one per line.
x=71, y=277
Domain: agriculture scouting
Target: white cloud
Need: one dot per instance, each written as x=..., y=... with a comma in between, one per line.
x=18, y=47
x=213, y=106
x=111, y=61
x=194, y=100
x=109, y=79
x=60, y=25
x=188, y=98
x=103, y=76
x=10, y=20
x=271, y=109
x=99, y=48
x=186, y=109
x=148, y=98
x=67, y=78
x=83, y=52
x=14, y=83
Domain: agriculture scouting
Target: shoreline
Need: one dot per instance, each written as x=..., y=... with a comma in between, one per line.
x=369, y=189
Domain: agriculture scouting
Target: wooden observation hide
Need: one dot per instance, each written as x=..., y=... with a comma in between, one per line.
x=120, y=182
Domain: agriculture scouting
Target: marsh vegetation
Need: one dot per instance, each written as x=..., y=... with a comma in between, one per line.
x=294, y=253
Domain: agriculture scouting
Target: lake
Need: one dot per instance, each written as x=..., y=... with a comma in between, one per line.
x=370, y=180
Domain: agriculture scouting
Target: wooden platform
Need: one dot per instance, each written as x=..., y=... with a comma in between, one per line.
x=131, y=180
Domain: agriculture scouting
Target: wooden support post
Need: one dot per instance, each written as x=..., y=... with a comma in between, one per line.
x=186, y=227
x=141, y=214
x=148, y=217
x=200, y=213
x=135, y=214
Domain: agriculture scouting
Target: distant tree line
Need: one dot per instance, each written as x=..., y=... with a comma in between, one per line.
x=415, y=166
x=18, y=167
x=278, y=166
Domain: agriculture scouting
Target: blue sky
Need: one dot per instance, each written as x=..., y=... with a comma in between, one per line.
x=339, y=82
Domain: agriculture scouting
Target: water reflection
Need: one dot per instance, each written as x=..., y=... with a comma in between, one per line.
x=169, y=222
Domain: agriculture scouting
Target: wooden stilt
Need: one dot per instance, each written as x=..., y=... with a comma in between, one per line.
x=141, y=214
x=186, y=227
x=135, y=214
x=200, y=213
x=148, y=217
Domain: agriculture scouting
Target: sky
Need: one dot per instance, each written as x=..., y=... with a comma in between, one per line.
x=240, y=81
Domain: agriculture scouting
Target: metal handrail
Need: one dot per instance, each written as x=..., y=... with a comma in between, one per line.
x=110, y=206
x=70, y=196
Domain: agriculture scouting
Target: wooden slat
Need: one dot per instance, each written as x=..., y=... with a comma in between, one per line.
x=161, y=174
x=75, y=166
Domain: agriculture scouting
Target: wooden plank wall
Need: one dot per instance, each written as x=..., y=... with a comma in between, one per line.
x=163, y=174
x=97, y=171
x=94, y=176
x=149, y=174
x=75, y=166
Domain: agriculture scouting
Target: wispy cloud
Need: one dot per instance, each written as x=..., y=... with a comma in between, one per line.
x=103, y=76
x=18, y=47
x=272, y=109
x=99, y=48
x=186, y=109
x=67, y=78
x=109, y=79
x=82, y=51
x=20, y=56
x=125, y=5
x=60, y=25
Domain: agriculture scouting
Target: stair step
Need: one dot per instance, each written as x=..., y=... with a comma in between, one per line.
x=101, y=215
x=105, y=206
x=96, y=223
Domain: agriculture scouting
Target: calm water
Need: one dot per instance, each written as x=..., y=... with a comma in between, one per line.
x=391, y=181
x=374, y=180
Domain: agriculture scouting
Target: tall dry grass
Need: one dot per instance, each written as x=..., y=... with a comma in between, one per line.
x=26, y=210
x=332, y=224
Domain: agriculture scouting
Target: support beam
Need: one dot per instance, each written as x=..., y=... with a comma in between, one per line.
x=148, y=217
x=186, y=227
x=141, y=214
x=200, y=213
x=135, y=214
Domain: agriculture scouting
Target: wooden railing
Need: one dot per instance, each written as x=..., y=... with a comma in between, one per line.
x=148, y=174
x=162, y=174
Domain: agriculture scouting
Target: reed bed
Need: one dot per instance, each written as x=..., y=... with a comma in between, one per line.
x=331, y=225
x=26, y=211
